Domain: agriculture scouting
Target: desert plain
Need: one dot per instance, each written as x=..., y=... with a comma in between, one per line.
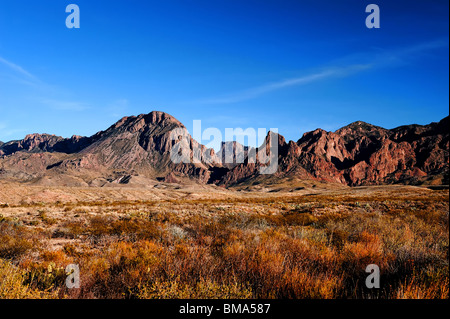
x=168, y=240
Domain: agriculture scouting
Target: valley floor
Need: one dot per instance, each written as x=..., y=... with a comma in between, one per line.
x=169, y=241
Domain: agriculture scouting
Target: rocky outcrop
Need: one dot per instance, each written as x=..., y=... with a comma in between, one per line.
x=170, y=178
x=38, y=143
x=405, y=154
x=361, y=154
x=232, y=153
x=256, y=160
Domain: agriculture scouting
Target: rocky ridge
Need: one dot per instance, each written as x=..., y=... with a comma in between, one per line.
x=357, y=154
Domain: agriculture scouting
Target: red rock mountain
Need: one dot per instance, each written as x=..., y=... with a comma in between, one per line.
x=140, y=146
x=362, y=154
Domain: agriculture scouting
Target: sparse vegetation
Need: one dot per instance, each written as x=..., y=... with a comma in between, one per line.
x=277, y=246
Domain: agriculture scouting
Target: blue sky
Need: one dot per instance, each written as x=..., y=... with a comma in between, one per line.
x=291, y=65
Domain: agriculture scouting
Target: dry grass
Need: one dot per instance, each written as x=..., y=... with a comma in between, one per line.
x=274, y=245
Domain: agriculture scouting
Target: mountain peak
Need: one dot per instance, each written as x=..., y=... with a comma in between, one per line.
x=281, y=141
x=139, y=122
x=156, y=117
x=361, y=126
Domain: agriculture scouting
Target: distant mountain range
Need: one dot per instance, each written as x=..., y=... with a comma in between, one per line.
x=137, y=149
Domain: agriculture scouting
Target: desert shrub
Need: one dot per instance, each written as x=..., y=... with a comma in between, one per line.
x=15, y=241
x=72, y=251
x=292, y=218
x=338, y=237
x=302, y=219
x=120, y=269
x=46, y=276
x=277, y=266
x=126, y=228
x=70, y=229
x=423, y=285
x=135, y=229
x=77, y=211
x=176, y=233
x=45, y=219
x=99, y=226
x=203, y=289
x=13, y=285
x=431, y=216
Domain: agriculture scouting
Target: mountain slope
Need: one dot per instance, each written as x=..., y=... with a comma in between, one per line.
x=362, y=154
x=141, y=148
x=35, y=143
x=134, y=146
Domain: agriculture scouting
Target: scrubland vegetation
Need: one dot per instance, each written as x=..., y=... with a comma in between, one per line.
x=279, y=246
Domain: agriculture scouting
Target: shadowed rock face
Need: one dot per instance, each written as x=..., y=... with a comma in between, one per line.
x=362, y=154
x=357, y=154
x=36, y=143
x=232, y=153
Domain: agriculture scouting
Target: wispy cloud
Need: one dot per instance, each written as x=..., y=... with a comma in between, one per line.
x=302, y=80
x=405, y=55
x=49, y=95
x=65, y=105
x=17, y=68
x=383, y=58
x=24, y=76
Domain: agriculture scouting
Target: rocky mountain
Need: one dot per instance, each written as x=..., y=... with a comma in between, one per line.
x=362, y=154
x=232, y=153
x=35, y=143
x=143, y=148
